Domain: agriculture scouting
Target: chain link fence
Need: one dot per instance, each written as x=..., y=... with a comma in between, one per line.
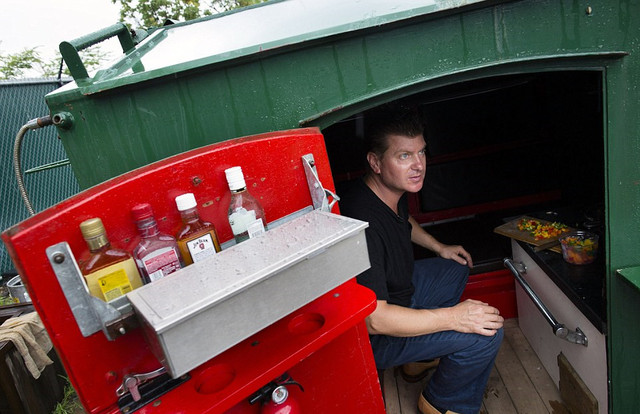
x=20, y=102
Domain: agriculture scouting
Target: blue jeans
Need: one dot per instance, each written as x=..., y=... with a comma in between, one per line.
x=466, y=360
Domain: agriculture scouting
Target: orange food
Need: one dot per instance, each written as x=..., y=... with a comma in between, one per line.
x=579, y=249
x=541, y=231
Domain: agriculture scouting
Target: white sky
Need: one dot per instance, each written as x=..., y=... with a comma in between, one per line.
x=46, y=23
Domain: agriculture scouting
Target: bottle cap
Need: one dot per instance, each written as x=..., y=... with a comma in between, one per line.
x=186, y=201
x=92, y=228
x=141, y=211
x=235, y=178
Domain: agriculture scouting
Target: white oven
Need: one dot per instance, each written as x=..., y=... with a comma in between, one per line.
x=589, y=361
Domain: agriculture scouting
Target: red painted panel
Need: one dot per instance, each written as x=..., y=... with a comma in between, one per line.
x=495, y=288
x=274, y=174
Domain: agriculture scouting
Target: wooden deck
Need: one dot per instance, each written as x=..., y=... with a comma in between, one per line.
x=518, y=384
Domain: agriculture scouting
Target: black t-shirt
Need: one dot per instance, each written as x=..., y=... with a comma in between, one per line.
x=388, y=241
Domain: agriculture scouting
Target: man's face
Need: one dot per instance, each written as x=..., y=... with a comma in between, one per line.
x=402, y=167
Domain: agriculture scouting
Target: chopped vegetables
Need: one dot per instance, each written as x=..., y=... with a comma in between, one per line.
x=8, y=301
x=578, y=241
x=540, y=230
x=580, y=248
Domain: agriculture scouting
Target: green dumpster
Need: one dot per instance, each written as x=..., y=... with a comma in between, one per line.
x=295, y=63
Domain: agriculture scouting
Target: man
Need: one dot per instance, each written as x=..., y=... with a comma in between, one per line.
x=418, y=315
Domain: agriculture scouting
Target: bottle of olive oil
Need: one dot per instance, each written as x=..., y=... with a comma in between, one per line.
x=197, y=239
x=109, y=272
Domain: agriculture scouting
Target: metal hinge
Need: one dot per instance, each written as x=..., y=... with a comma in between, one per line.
x=319, y=194
x=91, y=314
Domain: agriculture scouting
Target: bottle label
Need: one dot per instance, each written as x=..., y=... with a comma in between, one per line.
x=255, y=228
x=161, y=263
x=240, y=220
x=114, y=284
x=201, y=247
x=113, y=281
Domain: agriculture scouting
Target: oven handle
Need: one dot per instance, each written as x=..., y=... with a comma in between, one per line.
x=559, y=330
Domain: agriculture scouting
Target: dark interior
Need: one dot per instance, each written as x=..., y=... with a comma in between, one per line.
x=499, y=147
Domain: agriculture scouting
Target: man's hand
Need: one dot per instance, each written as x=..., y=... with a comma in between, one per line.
x=473, y=316
x=457, y=253
x=420, y=237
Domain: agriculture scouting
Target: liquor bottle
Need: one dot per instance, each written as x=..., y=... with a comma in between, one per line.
x=197, y=239
x=108, y=271
x=246, y=215
x=156, y=254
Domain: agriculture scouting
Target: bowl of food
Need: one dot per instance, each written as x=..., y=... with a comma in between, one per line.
x=579, y=247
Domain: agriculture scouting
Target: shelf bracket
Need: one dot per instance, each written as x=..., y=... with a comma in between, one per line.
x=115, y=318
x=319, y=195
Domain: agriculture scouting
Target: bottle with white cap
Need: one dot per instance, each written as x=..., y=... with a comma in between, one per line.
x=197, y=239
x=246, y=215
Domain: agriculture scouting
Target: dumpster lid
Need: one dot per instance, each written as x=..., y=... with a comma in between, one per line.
x=264, y=28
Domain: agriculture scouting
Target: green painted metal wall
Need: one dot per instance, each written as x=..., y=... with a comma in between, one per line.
x=320, y=82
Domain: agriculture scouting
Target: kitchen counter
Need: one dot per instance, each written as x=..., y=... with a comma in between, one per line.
x=583, y=284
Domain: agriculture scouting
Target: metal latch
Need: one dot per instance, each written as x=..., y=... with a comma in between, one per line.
x=138, y=390
x=91, y=314
x=318, y=193
x=131, y=382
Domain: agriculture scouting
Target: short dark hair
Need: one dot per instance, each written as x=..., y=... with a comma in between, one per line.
x=390, y=119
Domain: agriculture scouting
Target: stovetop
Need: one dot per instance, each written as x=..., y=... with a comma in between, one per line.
x=584, y=285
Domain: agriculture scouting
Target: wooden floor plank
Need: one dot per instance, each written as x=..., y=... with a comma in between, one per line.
x=542, y=381
x=391, y=399
x=496, y=398
x=518, y=384
x=409, y=394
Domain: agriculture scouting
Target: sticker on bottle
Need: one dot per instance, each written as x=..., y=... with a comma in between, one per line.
x=240, y=220
x=255, y=228
x=161, y=263
x=201, y=247
x=115, y=284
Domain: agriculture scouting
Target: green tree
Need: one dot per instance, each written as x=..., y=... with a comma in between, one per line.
x=92, y=57
x=29, y=63
x=15, y=65
x=154, y=13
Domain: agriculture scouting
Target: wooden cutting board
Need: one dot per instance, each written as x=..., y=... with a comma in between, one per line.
x=510, y=229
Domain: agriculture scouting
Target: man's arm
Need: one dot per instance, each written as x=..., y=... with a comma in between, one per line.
x=470, y=316
x=454, y=252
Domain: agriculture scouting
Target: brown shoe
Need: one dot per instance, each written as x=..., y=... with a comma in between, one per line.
x=416, y=371
x=425, y=407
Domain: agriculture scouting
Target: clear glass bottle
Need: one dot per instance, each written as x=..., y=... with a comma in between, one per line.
x=156, y=254
x=197, y=239
x=246, y=216
x=108, y=271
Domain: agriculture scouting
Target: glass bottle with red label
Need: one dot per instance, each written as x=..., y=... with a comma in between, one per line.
x=109, y=272
x=197, y=239
x=157, y=253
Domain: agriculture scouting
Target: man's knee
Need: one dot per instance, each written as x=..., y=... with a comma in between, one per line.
x=496, y=341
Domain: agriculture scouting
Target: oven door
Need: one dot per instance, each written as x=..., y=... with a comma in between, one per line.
x=589, y=362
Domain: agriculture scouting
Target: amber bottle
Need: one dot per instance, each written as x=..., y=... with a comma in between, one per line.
x=197, y=239
x=109, y=272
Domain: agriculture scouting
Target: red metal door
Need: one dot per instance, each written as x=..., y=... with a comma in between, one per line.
x=323, y=345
